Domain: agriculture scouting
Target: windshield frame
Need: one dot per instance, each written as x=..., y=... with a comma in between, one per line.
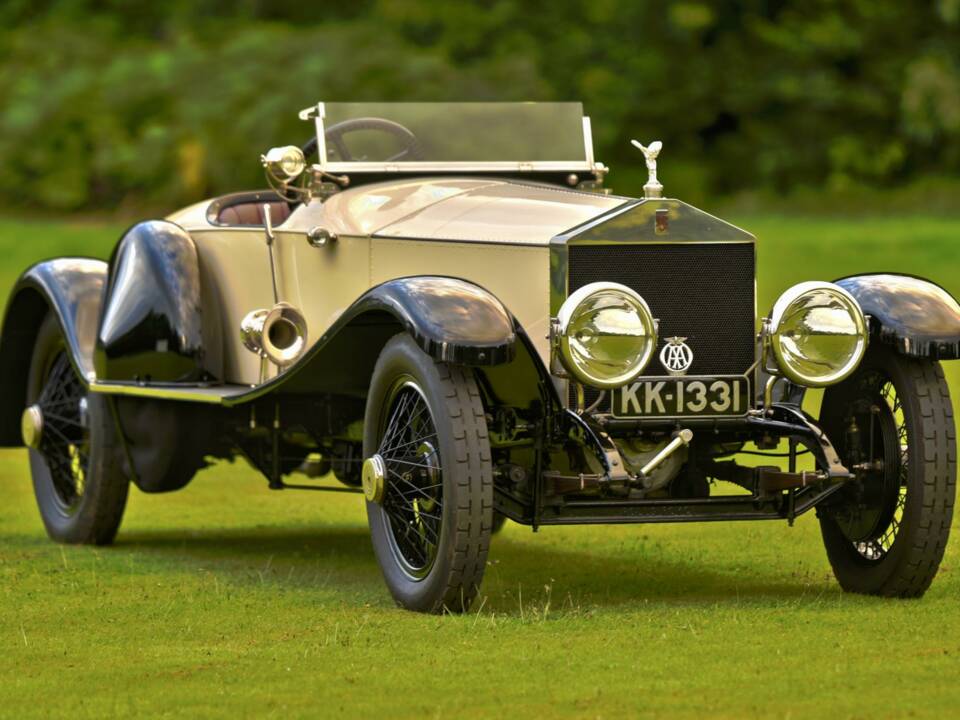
x=317, y=113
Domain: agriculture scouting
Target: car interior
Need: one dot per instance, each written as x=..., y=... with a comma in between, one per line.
x=246, y=209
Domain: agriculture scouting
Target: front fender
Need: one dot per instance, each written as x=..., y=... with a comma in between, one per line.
x=452, y=320
x=73, y=289
x=915, y=316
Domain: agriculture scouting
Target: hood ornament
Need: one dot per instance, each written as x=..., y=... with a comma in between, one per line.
x=653, y=188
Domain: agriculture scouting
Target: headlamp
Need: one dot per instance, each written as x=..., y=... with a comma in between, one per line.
x=284, y=163
x=605, y=335
x=817, y=333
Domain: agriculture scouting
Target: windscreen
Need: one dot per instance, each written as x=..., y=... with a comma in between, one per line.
x=455, y=133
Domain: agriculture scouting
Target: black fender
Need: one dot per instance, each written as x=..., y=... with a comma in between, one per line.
x=915, y=316
x=452, y=320
x=73, y=289
x=152, y=326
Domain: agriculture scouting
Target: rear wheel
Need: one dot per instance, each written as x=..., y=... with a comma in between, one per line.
x=75, y=459
x=887, y=534
x=427, y=478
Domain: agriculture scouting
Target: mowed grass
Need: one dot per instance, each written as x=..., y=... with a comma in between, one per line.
x=229, y=600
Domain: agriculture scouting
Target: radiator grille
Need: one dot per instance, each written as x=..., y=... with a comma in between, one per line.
x=703, y=292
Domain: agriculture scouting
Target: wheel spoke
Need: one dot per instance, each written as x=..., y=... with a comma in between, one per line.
x=59, y=433
x=417, y=441
x=413, y=504
x=408, y=522
x=423, y=513
x=404, y=423
x=876, y=547
x=411, y=463
x=47, y=415
x=66, y=440
x=422, y=490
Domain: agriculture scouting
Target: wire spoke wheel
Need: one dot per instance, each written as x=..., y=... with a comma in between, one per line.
x=65, y=445
x=427, y=478
x=885, y=443
x=76, y=458
x=892, y=424
x=413, y=499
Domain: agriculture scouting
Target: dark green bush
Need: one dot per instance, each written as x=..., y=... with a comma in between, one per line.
x=114, y=104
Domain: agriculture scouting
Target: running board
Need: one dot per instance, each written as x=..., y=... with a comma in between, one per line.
x=224, y=395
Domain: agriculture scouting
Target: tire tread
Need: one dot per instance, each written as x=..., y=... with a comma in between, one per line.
x=475, y=479
x=926, y=549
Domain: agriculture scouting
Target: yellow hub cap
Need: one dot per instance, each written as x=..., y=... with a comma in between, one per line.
x=374, y=479
x=31, y=426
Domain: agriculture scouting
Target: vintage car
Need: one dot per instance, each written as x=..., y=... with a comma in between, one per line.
x=442, y=305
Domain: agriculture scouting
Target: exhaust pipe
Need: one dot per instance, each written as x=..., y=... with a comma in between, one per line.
x=278, y=335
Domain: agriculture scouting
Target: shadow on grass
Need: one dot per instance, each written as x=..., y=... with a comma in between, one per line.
x=342, y=559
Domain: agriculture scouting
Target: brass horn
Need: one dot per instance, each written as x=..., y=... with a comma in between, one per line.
x=278, y=334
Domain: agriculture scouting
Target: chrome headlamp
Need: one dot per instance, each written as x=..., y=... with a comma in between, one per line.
x=605, y=335
x=817, y=333
x=284, y=164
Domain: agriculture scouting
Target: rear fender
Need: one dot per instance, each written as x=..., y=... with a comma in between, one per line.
x=154, y=326
x=73, y=289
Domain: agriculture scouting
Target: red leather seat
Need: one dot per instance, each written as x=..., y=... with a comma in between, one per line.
x=251, y=213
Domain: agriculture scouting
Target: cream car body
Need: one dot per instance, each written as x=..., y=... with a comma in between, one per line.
x=387, y=230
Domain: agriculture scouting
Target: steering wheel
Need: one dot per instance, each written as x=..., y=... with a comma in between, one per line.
x=410, y=150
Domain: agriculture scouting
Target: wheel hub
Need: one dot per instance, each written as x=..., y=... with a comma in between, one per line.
x=880, y=484
x=374, y=479
x=31, y=427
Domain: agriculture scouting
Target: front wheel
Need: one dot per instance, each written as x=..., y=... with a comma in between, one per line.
x=76, y=459
x=886, y=534
x=427, y=478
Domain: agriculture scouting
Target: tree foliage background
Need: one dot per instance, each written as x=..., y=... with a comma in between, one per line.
x=109, y=104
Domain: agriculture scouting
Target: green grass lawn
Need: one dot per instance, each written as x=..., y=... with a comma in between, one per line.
x=229, y=600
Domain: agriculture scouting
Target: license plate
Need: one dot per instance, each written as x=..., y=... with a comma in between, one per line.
x=674, y=397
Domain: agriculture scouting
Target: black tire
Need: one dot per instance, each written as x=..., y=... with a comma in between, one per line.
x=887, y=537
x=431, y=561
x=78, y=469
